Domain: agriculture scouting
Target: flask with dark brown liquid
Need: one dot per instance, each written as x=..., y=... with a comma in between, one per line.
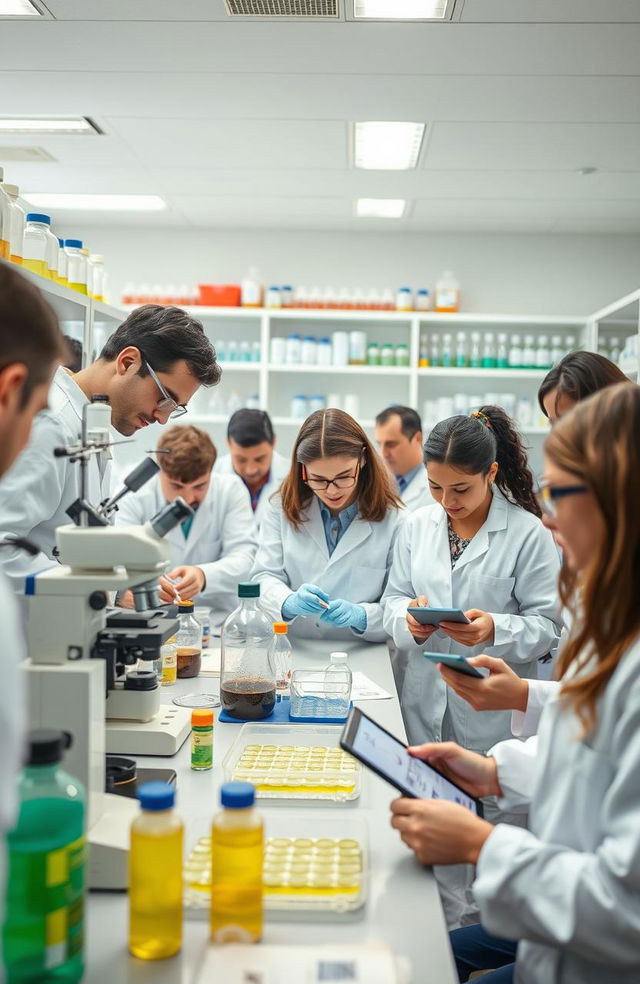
x=189, y=641
x=247, y=675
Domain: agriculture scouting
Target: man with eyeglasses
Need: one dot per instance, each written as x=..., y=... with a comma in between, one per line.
x=149, y=369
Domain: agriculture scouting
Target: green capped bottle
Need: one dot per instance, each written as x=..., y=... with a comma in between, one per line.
x=43, y=934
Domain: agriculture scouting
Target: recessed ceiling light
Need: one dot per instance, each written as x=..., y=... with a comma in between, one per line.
x=18, y=8
x=402, y=9
x=387, y=146
x=99, y=203
x=46, y=124
x=380, y=208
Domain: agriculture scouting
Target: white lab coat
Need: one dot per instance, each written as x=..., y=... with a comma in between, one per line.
x=356, y=571
x=221, y=541
x=510, y=570
x=12, y=720
x=569, y=887
x=417, y=492
x=279, y=470
x=36, y=492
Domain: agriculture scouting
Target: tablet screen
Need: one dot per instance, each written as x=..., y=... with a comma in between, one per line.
x=385, y=753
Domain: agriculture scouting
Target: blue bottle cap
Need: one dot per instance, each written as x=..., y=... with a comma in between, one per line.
x=326, y=340
x=156, y=796
x=309, y=338
x=38, y=217
x=77, y=243
x=236, y=795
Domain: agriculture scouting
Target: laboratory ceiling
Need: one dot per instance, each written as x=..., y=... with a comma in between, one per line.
x=245, y=123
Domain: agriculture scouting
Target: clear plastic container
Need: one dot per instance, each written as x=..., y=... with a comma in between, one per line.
x=557, y=349
x=516, y=354
x=203, y=615
x=529, y=352
x=189, y=641
x=280, y=656
x=251, y=289
x=155, y=875
x=16, y=223
x=36, y=243
x=447, y=350
x=543, y=353
x=310, y=699
x=461, y=350
x=296, y=762
x=76, y=265
x=237, y=852
x=313, y=867
x=489, y=351
x=502, y=353
x=247, y=675
x=337, y=682
x=435, y=358
x=447, y=293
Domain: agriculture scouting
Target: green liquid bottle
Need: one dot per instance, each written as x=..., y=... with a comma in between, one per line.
x=43, y=934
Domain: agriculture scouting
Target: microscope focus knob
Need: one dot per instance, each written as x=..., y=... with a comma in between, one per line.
x=97, y=600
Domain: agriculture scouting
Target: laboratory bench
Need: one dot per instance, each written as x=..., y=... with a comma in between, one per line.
x=402, y=909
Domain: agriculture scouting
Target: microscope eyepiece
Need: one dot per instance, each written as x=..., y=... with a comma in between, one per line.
x=170, y=515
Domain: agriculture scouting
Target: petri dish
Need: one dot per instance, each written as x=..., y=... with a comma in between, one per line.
x=197, y=700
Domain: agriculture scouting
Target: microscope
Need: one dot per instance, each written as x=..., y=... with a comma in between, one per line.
x=81, y=654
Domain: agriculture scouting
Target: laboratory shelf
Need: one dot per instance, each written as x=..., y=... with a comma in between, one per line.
x=68, y=304
x=345, y=370
x=240, y=366
x=107, y=312
x=506, y=320
x=459, y=373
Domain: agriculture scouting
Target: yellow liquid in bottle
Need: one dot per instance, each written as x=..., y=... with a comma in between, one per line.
x=14, y=258
x=81, y=288
x=155, y=886
x=4, y=249
x=37, y=266
x=236, y=881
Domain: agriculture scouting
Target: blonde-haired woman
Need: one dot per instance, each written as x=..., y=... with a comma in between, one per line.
x=327, y=538
x=566, y=891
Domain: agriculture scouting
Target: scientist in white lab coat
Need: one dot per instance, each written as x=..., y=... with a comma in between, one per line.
x=31, y=346
x=481, y=548
x=211, y=551
x=149, y=368
x=399, y=436
x=327, y=538
x=566, y=892
x=253, y=458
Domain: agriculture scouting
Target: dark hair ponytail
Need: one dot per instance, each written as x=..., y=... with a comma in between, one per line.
x=474, y=443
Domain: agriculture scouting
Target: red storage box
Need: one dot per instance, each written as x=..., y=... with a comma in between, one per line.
x=219, y=295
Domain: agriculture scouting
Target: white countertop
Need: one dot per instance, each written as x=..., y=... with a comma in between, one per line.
x=403, y=908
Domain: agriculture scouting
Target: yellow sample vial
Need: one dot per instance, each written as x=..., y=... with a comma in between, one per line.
x=237, y=845
x=155, y=875
x=202, y=739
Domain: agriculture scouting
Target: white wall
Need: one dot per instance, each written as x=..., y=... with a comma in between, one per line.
x=534, y=274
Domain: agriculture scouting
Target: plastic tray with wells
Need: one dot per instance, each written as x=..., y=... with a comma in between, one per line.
x=294, y=762
x=312, y=866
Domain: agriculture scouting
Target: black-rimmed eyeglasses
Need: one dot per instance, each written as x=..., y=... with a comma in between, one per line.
x=167, y=404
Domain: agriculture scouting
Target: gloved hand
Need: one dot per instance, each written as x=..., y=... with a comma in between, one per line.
x=305, y=601
x=343, y=613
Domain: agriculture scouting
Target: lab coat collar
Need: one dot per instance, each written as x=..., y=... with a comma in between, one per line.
x=76, y=396
x=497, y=519
x=354, y=535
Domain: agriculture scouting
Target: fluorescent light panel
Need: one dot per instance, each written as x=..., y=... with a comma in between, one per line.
x=18, y=8
x=400, y=9
x=387, y=146
x=380, y=208
x=98, y=203
x=44, y=124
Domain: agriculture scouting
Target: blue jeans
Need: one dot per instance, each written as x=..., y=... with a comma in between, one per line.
x=474, y=949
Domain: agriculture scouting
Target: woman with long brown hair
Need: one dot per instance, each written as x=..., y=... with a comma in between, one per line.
x=566, y=891
x=327, y=538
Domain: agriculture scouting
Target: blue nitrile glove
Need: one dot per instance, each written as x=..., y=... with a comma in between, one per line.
x=305, y=601
x=344, y=613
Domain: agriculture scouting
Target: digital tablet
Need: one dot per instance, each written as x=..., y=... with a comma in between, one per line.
x=433, y=616
x=378, y=749
x=458, y=663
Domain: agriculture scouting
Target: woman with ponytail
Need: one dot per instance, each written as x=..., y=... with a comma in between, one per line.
x=481, y=548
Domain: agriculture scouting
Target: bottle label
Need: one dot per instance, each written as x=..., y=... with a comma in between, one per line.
x=447, y=297
x=52, y=889
x=202, y=749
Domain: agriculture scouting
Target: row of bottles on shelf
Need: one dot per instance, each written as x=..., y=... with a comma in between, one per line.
x=237, y=351
x=26, y=239
x=623, y=355
x=343, y=348
x=251, y=293
x=487, y=350
x=523, y=409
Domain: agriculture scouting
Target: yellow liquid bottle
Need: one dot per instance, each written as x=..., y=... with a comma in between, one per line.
x=237, y=847
x=155, y=875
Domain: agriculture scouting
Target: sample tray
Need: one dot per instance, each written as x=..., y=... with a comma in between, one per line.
x=311, y=866
x=294, y=762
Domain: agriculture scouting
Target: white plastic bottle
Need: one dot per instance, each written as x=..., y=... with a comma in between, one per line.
x=475, y=354
x=338, y=681
x=277, y=351
x=35, y=243
x=309, y=351
x=557, y=351
x=461, y=349
x=447, y=349
x=447, y=293
x=529, y=352
x=16, y=223
x=404, y=299
x=340, y=348
x=543, y=354
x=97, y=276
x=423, y=300
x=293, y=350
x=502, y=357
x=323, y=352
x=251, y=289
x=274, y=298
x=516, y=357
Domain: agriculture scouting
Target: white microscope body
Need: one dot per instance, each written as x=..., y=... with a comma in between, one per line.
x=71, y=687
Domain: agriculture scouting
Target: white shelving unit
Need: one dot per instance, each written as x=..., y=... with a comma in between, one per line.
x=274, y=385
